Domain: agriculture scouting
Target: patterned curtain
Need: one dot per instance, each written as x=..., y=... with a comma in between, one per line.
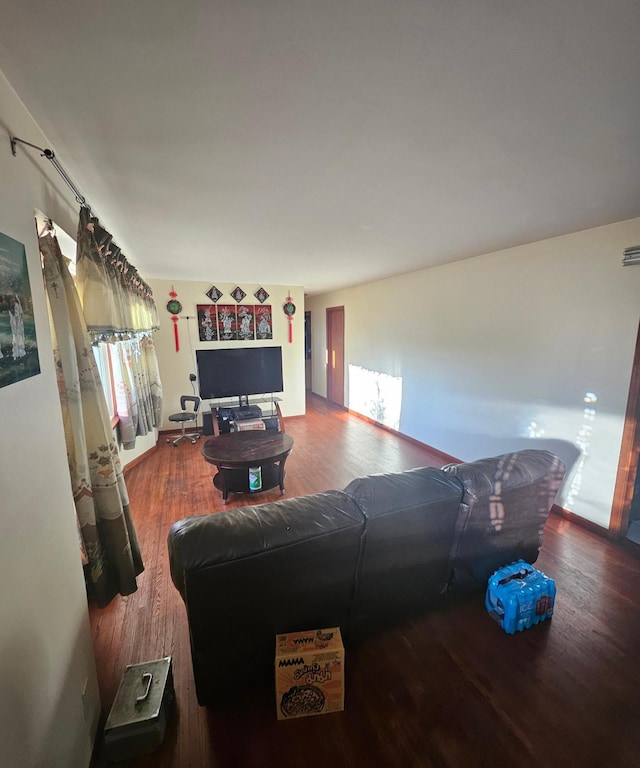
x=149, y=362
x=107, y=532
x=115, y=299
x=119, y=309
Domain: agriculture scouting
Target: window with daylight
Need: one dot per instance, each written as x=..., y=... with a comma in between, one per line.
x=102, y=354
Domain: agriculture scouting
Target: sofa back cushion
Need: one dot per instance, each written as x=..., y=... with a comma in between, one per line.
x=410, y=520
x=249, y=573
x=505, y=505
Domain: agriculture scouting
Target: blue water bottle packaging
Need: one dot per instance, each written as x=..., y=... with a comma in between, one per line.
x=518, y=597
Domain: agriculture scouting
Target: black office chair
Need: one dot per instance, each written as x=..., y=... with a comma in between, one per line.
x=186, y=416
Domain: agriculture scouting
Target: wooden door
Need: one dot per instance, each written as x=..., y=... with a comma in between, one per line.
x=335, y=355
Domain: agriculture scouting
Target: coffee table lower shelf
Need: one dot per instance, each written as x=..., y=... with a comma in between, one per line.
x=237, y=480
x=235, y=453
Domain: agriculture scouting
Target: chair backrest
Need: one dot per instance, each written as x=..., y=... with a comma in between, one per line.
x=190, y=399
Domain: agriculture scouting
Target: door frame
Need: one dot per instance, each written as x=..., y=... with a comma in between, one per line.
x=329, y=347
x=308, y=352
x=629, y=455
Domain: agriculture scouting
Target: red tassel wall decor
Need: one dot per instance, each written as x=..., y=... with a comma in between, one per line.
x=174, y=307
x=175, y=333
x=290, y=310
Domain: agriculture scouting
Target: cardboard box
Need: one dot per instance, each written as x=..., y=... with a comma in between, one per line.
x=309, y=673
x=247, y=425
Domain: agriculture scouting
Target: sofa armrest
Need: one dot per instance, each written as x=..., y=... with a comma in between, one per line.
x=505, y=505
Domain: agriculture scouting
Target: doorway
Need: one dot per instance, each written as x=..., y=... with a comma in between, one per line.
x=335, y=355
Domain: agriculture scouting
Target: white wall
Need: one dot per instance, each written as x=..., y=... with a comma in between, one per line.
x=144, y=443
x=498, y=352
x=46, y=656
x=175, y=367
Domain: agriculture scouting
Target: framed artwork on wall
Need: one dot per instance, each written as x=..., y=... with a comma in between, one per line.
x=263, y=321
x=246, y=322
x=207, y=322
x=18, y=344
x=227, y=322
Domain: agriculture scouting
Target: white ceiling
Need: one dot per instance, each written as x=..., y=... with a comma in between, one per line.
x=333, y=142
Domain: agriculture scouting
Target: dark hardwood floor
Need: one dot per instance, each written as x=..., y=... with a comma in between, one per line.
x=446, y=689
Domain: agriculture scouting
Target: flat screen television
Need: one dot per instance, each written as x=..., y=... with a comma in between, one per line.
x=239, y=372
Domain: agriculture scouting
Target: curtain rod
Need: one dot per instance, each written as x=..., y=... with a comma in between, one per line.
x=50, y=155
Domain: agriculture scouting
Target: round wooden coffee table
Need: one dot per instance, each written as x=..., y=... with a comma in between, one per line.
x=235, y=452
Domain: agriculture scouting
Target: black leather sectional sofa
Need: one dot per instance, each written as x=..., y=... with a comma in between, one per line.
x=387, y=547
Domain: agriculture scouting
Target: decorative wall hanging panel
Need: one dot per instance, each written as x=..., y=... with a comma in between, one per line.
x=238, y=294
x=261, y=295
x=263, y=321
x=246, y=322
x=227, y=322
x=207, y=322
x=18, y=345
x=214, y=294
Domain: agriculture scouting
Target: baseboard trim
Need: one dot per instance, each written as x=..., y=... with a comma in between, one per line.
x=582, y=522
x=444, y=457
x=139, y=459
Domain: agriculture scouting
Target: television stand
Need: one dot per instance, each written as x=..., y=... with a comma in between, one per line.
x=217, y=415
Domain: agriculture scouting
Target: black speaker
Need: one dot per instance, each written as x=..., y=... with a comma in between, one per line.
x=207, y=422
x=224, y=425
